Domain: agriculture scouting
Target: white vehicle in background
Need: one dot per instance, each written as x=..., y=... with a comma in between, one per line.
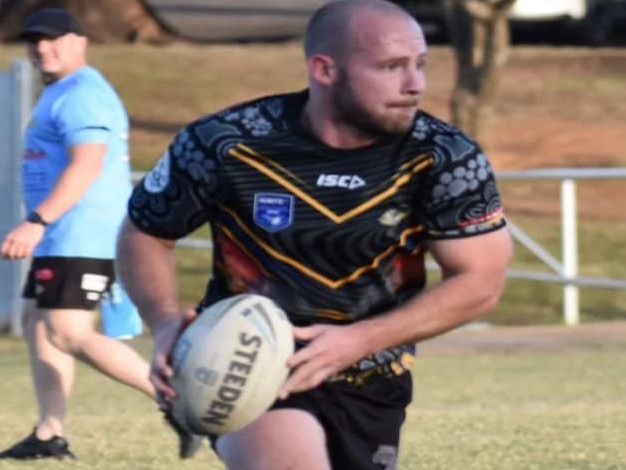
x=595, y=19
x=234, y=20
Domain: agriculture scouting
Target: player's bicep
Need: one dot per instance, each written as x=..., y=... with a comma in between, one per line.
x=488, y=254
x=87, y=158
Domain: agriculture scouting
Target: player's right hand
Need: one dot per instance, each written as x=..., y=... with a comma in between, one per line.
x=22, y=240
x=165, y=336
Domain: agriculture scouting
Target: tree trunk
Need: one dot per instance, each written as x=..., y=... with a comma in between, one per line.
x=479, y=32
x=102, y=20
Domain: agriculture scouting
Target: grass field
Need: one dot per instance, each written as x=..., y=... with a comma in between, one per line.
x=558, y=410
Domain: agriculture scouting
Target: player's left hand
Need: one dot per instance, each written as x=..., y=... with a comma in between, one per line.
x=330, y=349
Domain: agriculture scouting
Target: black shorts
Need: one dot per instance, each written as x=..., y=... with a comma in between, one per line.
x=72, y=283
x=362, y=422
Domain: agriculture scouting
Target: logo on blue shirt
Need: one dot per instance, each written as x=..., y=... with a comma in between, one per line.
x=273, y=211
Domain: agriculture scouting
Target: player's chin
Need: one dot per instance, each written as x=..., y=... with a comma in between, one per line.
x=399, y=125
x=47, y=66
x=400, y=119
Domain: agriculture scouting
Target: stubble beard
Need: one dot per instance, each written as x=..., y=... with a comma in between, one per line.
x=48, y=78
x=369, y=123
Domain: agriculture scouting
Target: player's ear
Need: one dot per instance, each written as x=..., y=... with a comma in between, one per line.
x=322, y=69
x=80, y=44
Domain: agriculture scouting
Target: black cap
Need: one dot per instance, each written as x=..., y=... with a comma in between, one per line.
x=50, y=22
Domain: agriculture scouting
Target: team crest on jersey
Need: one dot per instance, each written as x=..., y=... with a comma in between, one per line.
x=273, y=211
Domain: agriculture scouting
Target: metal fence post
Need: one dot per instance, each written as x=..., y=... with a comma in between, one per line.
x=16, y=101
x=571, y=307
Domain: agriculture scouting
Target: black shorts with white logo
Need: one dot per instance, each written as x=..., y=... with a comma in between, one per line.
x=65, y=282
x=362, y=422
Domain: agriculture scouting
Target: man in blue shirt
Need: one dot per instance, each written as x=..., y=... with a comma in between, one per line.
x=76, y=182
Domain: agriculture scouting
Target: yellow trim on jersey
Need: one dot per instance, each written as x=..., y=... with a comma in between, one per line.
x=333, y=284
x=333, y=315
x=418, y=163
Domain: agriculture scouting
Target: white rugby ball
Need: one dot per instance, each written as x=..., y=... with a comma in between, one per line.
x=230, y=363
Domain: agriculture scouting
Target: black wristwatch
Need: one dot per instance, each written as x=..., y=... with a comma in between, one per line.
x=35, y=218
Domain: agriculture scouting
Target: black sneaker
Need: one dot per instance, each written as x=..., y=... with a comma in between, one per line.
x=189, y=443
x=31, y=447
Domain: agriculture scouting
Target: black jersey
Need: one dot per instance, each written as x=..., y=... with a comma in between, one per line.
x=330, y=234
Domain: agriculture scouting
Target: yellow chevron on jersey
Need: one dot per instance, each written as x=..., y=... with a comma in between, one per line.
x=308, y=271
x=411, y=168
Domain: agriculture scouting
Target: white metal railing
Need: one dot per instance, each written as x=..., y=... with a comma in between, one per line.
x=564, y=272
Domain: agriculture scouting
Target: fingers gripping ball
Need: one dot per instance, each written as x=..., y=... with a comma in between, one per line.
x=229, y=364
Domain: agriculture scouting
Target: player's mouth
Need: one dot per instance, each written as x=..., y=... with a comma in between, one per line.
x=412, y=104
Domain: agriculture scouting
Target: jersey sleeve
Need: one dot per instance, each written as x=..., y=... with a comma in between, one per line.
x=460, y=194
x=82, y=117
x=178, y=195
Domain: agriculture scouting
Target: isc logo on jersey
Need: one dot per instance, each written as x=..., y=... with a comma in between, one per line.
x=340, y=181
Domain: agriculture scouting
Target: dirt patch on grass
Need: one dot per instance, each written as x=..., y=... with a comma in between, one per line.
x=485, y=338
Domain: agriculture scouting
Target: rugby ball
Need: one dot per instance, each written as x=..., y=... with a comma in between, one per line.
x=230, y=363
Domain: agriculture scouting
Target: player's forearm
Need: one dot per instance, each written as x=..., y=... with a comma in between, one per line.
x=84, y=168
x=453, y=302
x=147, y=268
x=70, y=188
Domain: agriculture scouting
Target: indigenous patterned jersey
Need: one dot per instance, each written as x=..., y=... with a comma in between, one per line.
x=332, y=235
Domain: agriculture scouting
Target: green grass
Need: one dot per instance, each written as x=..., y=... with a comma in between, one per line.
x=518, y=411
x=488, y=411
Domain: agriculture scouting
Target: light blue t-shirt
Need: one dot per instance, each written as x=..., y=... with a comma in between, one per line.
x=80, y=108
